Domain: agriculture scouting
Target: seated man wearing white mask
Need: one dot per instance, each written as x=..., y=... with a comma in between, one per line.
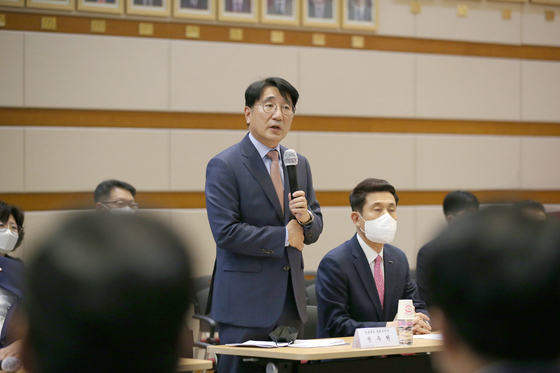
x=359, y=283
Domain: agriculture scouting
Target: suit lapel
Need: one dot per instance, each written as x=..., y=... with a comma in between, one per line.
x=390, y=280
x=256, y=166
x=364, y=271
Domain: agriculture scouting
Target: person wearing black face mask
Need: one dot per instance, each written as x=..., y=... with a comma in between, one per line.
x=11, y=279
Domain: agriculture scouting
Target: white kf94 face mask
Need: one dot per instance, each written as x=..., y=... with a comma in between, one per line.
x=8, y=241
x=380, y=230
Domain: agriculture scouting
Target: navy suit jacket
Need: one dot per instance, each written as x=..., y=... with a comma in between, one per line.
x=422, y=272
x=11, y=279
x=252, y=263
x=346, y=293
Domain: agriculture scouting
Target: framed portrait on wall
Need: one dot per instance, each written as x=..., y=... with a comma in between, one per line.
x=194, y=9
x=280, y=12
x=51, y=4
x=321, y=13
x=15, y=3
x=245, y=11
x=158, y=8
x=359, y=15
x=102, y=6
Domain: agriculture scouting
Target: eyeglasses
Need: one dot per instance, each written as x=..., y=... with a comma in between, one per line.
x=123, y=204
x=271, y=107
x=13, y=227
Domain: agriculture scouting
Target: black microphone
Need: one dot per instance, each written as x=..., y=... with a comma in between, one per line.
x=290, y=160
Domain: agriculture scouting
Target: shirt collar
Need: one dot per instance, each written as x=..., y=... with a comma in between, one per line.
x=371, y=254
x=263, y=149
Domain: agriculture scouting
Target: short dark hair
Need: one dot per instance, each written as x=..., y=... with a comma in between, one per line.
x=529, y=204
x=109, y=291
x=103, y=190
x=254, y=91
x=491, y=269
x=360, y=192
x=5, y=212
x=459, y=200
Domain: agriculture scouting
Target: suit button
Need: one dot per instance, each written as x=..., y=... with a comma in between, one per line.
x=286, y=268
x=309, y=235
x=264, y=251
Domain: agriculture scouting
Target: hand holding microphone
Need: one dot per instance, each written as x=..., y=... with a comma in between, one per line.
x=298, y=202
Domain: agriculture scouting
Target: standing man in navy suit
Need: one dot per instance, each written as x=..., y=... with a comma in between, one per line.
x=359, y=283
x=260, y=230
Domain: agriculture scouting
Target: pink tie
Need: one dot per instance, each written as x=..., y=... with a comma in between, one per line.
x=275, y=176
x=378, y=277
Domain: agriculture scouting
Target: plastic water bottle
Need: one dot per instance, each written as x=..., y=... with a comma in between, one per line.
x=405, y=330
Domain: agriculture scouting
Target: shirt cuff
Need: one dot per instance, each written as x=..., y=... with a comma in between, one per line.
x=287, y=242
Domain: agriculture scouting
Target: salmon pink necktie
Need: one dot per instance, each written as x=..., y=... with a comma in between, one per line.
x=378, y=277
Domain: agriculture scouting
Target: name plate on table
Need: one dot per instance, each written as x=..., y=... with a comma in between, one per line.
x=375, y=337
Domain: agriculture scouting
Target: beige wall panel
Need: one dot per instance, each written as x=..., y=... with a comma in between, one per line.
x=192, y=226
x=484, y=23
x=467, y=88
x=39, y=226
x=395, y=18
x=340, y=161
x=96, y=72
x=356, y=83
x=11, y=68
x=338, y=227
x=540, y=91
x=539, y=163
x=77, y=159
x=536, y=30
x=212, y=77
x=11, y=146
x=552, y=208
x=191, y=150
x=161, y=215
x=405, y=237
x=445, y=162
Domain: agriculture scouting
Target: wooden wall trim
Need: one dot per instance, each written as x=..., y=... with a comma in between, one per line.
x=189, y=200
x=76, y=24
x=161, y=120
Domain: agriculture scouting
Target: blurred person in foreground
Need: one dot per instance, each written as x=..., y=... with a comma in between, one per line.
x=11, y=280
x=455, y=205
x=531, y=208
x=107, y=293
x=491, y=272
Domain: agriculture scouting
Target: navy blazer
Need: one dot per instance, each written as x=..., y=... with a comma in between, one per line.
x=11, y=279
x=252, y=263
x=346, y=294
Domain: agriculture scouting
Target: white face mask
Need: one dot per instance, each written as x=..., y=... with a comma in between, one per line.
x=380, y=230
x=123, y=211
x=8, y=241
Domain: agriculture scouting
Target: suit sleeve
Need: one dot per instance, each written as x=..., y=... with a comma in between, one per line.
x=411, y=292
x=313, y=230
x=421, y=275
x=230, y=232
x=333, y=301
